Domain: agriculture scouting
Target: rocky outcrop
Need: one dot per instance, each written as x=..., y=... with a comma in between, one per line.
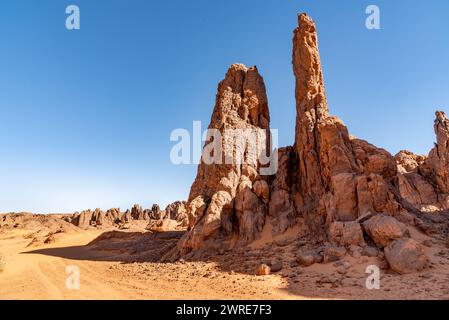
x=415, y=188
x=340, y=178
x=423, y=181
x=126, y=217
x=155, y=213
x=177, y=211
x=229, y=195
x=113, y=216
x=436, y=166
x=350, y=196
x=83, y=219
x=137, y=213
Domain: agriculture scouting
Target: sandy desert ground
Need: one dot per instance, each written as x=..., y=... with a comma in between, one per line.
x=117, y=264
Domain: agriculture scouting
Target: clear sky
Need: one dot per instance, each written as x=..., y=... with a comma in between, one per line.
x=86, y=115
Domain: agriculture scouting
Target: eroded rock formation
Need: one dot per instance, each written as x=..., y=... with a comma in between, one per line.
x=351, y=196
x=340, y=178
x=173, y=218
x=229, y=196
x=424, y=181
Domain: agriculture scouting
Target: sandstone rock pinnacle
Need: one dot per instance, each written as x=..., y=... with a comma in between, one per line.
x=339, y=178
x=229, y=195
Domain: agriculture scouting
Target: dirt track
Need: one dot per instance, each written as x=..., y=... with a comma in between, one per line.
x=108, y=272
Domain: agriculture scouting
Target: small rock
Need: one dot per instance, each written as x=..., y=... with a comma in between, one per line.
x=370, y=251
x=342, y=270
x=330, y=258
x=276, y=266
x=335, y=251
x=306, y=258
x=355, y=251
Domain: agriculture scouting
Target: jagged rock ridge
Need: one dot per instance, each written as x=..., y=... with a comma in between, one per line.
x=173, y=217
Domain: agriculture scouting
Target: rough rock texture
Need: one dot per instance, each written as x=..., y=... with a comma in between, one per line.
x=126, y=217
x=424, y=181
x=406, y=256
x=177, y=211
x=346, y=233
x=228, y=197
x=83, y=219
x=382, y=229
x=155, y=213
x=138, y=213
x=340, y=178
x=415, y=188
x=436, y=166
x=282, y=207
x=346, y=192
x=113, y=217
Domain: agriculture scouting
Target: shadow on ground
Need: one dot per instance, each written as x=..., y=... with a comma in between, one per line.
x=318, y=281
x=118, y=246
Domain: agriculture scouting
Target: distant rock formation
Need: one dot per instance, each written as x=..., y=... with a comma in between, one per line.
x=176, y=213
x=348, y=193
x=424, y=181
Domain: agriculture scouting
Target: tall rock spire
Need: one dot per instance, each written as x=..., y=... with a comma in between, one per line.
x=436, y=166
x=338, y=178
x=310, y=92
x=229, y=197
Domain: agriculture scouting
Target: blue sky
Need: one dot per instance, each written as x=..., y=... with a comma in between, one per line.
x=86, y=115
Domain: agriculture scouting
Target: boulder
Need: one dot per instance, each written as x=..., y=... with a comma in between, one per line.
x=406, y=256
x=346, y=233
x=382, y=229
